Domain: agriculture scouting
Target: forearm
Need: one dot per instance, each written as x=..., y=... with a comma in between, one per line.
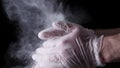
x=107, y=32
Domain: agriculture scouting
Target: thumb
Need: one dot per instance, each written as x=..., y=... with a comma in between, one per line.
x=50, y=33
x=59, y=29
x=65, y=26
x=72, y=30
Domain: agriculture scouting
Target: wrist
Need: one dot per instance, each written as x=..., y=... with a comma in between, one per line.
x=104, y=53
x=110, y=48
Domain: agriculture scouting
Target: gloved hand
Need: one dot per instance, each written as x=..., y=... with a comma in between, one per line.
x=68, y=45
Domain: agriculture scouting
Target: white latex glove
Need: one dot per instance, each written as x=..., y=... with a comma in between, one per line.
x=68, y=45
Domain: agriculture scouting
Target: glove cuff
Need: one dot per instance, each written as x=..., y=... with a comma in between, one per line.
x=97, y=45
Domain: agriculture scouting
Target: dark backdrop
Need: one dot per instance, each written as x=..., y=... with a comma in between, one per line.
x=103, y=15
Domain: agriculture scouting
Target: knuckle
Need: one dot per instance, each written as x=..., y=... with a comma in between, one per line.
x=64, y=43
x=54, y=58
x=63, y=52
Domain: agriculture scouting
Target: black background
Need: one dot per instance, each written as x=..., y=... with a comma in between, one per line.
x=104, y=14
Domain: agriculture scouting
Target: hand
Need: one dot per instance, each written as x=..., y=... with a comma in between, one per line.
x=68, y=45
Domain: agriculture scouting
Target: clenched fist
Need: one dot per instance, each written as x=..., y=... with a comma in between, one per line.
x=68, y=45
